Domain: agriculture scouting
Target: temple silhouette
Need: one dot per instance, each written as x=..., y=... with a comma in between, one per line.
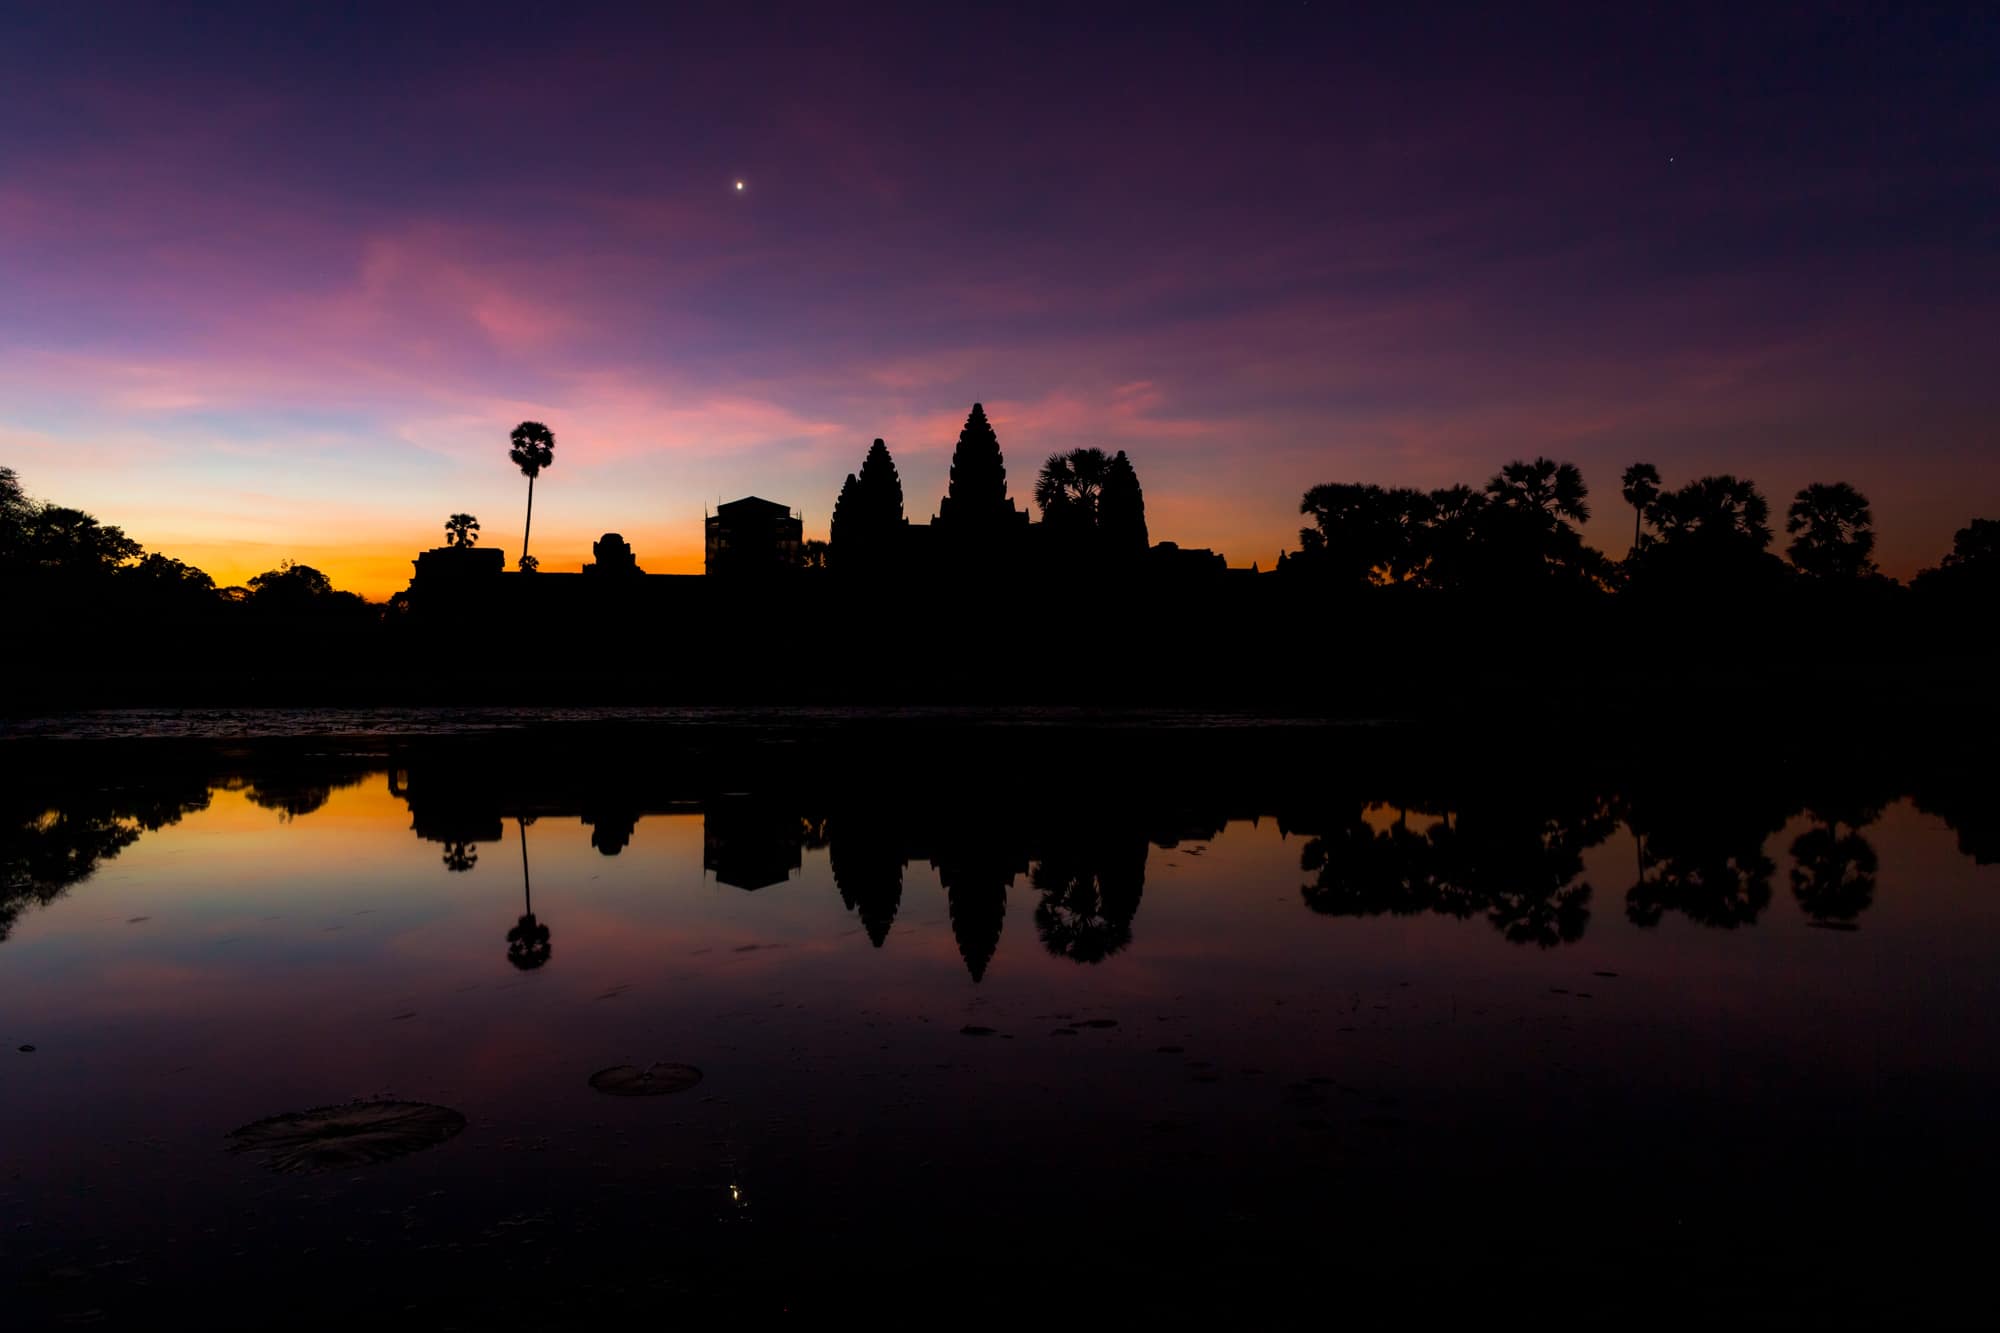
x=1093, y=518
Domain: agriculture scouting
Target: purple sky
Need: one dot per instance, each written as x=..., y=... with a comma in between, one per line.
x=277, y=281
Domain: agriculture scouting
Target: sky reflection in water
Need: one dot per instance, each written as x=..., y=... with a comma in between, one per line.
x=1189, y=999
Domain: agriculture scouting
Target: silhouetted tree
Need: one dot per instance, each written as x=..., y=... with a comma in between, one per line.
x=1365, y=534
x=533, y=448
x=1407, y=515
x=1832, y=532
x=290, y=579
x=1448, y=540
x=461, y=530
x=1352, y=534
x=1068, y=488
x=1970, y=574
x=162, y=584
x=1552, y=491
x=1710, y=538
x=70, y=541
x=1976, y=544
x=1640, y=487
x=1720, y=512
x=812, y=554
x=15, y=508
x=460, y=856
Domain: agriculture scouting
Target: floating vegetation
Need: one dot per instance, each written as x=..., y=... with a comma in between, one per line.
x=334, y=1138
x=655, y=1080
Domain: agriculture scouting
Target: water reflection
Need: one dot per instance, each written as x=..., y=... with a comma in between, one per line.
x=948, y=996
x=46, y=847
x=1510, y=854
x=1833, y=871
x=1516, y=861
x=528, y=942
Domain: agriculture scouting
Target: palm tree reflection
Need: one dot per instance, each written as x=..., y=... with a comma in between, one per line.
x=1833, y=873
x=1090, y=889
x=528, y=941
x=1519, y=866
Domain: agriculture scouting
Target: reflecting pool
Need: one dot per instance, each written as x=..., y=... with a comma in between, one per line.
x=1121, y=1046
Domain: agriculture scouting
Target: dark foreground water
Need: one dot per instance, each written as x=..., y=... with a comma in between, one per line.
x=1560, y=1047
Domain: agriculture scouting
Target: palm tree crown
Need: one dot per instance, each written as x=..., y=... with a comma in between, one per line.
x=534, y=448
x=461, y=530
x=1069, y=486
x=1833, y=531
x=1545, y=487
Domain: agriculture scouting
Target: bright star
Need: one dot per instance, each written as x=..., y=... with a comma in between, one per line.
x=739, y=185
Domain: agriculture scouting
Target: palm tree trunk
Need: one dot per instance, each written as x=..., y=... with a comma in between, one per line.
x=529, y=525
x=527, y=895
x=1637, y=515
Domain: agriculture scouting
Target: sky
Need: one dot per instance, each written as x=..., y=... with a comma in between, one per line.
x=277, y=281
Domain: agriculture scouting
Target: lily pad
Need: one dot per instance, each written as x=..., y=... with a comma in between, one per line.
x=334, y=1138
x=653, y=1081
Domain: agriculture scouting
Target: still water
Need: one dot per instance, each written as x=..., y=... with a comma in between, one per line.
x=1117, y=1056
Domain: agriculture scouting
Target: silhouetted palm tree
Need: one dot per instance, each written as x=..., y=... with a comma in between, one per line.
x=812, y=554
x=534, y=448
x=1069, y=485
x=1641, y=486
x=1717, y=511
x=1354, y=532
x=461, y=530
x=1545, y=487
x=1833, y=532
x=1526, y=532
x=460, y=856
x=1447, y=554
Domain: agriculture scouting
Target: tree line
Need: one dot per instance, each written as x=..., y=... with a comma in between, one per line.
x=1712, y=535
x=60, y=561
